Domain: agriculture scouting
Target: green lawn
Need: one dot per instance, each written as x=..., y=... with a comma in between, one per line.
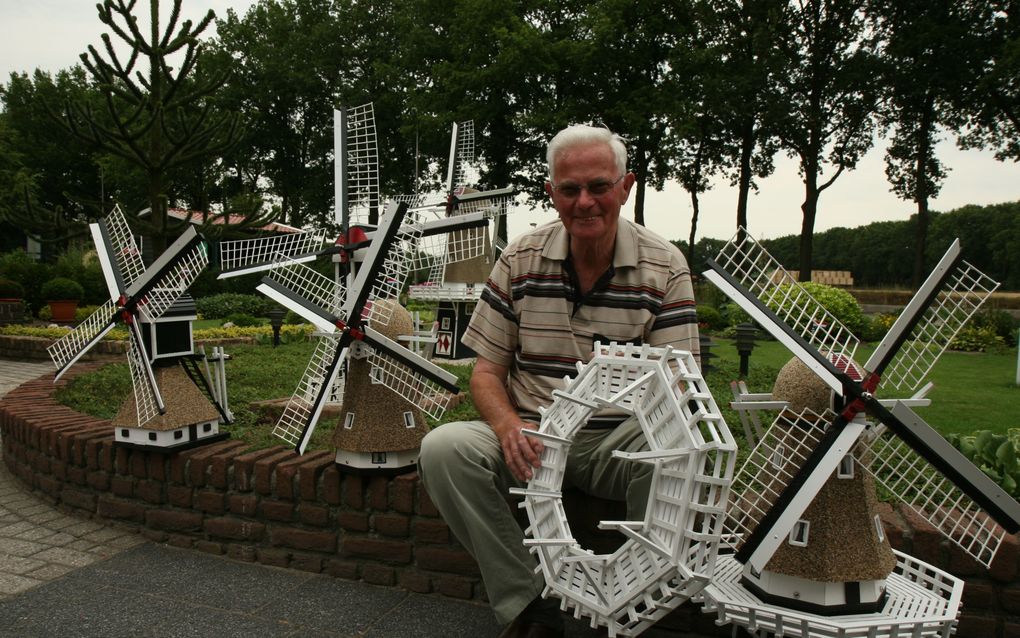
x=972, y=392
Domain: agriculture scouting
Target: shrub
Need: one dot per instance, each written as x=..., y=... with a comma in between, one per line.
x=242, y=320
x=83, y=267
x=62, y=289
x=734, y=315
x=225, y=304
x=837, y=301
x=10, y=289
x=875, y=327
x=999, y=321
x=710, y=319
x=998, y=455
x=977, y=339
x=20, y=267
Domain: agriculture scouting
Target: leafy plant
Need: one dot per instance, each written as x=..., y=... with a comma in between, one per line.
x=226, y=304
x=710, y=318
x=973, y=338
x=837, y=301
x=242, y=320
x=62, y=289
x=998, y=455
x=10, y=289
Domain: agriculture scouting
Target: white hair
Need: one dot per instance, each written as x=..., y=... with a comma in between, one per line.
x=581, y=135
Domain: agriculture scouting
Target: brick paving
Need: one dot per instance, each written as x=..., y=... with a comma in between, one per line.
x=38, y=542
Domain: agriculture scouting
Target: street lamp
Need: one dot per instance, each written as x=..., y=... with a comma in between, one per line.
x=276, y=316
x=745, y=344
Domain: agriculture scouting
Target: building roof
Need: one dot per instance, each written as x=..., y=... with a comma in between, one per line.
x=197, y=217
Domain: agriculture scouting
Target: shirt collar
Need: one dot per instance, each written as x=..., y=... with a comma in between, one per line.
x=624, y=255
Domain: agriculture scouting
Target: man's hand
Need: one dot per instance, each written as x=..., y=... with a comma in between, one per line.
x=488, y=391
x=521, y=453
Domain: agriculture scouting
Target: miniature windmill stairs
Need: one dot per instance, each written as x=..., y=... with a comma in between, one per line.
x=800, y=454
x=346, y=315
x=136, y=293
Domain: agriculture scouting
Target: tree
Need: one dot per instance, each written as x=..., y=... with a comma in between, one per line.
x=991, y=105
x=830, y=92
x=52, y=185
x=931, y=53
x=157, y=118
x=752, y=46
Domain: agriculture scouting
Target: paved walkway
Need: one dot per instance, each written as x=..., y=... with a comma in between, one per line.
x=64, y=576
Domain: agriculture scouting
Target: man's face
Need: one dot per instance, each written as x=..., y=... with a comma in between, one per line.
x=589, y=216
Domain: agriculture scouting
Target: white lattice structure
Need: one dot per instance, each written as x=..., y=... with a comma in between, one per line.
x=345, y=314
x=360, y=196
x=140, y=298
x=796, y=462
x=922, y=602
x=244, y=256
x=670, y=555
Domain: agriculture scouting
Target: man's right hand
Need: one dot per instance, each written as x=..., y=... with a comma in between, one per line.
x=521, y=453
x=488, y=391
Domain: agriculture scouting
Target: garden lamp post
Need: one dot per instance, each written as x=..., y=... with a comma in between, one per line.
x=276, y=316
x=745, y=344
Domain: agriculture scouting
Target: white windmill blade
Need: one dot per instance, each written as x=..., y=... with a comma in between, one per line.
x=176, y=280
x=148, y=400
x=462, y=155
x=324, y=372
x=385, y=268
x=356, y=169
x=782, y=476
x=245, y=256
x=949, y=297
x=752, y=278
x=68, y=349
x=119, y=256
x=312, y=295
x=934, y=496
x=411, y=376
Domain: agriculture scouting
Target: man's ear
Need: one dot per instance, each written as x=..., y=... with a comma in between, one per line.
x=549, y=189
x=628, y=183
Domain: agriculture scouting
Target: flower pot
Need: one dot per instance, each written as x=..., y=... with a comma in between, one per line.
x=63, y=310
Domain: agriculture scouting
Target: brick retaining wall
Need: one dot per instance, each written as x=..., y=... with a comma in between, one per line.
x=274, y=507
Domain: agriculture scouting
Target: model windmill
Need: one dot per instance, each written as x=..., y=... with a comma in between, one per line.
x=669, y=555
x=460, y=262
x=173, y=405
x=811, y=557
x=352, y=321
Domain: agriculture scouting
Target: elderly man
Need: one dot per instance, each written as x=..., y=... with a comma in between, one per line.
x=555, y=291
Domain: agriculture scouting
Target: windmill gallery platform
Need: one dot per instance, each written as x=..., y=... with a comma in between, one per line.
x=103, y=540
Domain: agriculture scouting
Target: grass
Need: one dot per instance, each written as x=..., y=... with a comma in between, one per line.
x=972, y=392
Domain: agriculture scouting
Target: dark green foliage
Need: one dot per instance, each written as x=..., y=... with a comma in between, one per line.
x=710, y=318
x=999, y=321
x=226, y=304
x=62, y=289
x=973, y=338
x=10, y=289
x=998, y=455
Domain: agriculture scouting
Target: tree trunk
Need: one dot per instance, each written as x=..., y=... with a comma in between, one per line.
x=807, y=229
x=747, y=135
x=694, y=228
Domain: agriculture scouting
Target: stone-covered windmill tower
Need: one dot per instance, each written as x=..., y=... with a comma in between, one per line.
x=173, y=405
x=811, y=558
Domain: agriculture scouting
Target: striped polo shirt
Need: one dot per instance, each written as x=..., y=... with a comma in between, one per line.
x=533, y=320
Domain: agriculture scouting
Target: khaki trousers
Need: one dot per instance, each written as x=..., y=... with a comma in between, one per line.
x=462, y=468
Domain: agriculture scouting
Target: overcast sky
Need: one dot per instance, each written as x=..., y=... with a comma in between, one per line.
x=50, y=34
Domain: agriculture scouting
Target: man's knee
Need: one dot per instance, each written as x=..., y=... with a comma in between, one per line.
x=443, y=451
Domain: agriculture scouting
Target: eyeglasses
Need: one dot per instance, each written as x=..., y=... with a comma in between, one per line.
x=595, y=188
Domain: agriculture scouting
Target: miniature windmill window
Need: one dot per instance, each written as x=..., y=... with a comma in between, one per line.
x=349, y=421
x=846, y=467
x=799, y=533
x=408, y=419
x=879, y=528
